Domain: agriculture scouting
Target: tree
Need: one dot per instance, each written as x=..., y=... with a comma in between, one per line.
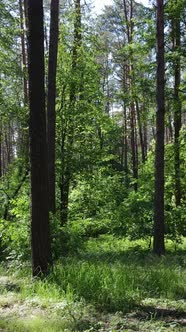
x=68, y=133
x=40, y=237
x=176, y=45
x=51, y=116
x=23, y=51
x=158, y=243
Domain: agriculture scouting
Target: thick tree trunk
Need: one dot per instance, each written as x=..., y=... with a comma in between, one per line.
x=40, y=238
x=51, y=114
x=158, y=243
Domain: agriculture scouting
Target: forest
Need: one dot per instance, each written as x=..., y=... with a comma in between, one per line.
x=92, y=166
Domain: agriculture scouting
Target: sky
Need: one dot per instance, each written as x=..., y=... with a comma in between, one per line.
x=99, y=4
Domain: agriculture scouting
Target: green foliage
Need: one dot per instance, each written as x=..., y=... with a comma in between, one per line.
x=95, y=199
x=67, y=239
x=15, y=212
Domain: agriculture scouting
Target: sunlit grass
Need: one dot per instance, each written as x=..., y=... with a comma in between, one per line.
x=111, y=275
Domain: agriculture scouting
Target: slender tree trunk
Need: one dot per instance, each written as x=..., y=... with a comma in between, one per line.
x=51, y=114
x=1, y=139
x=170, y=129
x=133, y=147
x=40, y=238
x=177, y=108
x=158, y=243
x=125, y=130
x=24, y=55
x=126, y=148
x=140, y=133
x=145, y=139
x=128, y=14
x=67, y=168
x=24, y=136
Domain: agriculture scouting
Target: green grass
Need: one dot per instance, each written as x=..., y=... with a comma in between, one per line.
x=114, y=280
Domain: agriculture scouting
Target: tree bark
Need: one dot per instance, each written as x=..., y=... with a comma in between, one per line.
x=1, y=139
x=40, y=237
x=177, y=107
x=143, y=156
x=24, y=55
x=51, y=114
x=67, y=144
x=128, y=14
x=158, y=241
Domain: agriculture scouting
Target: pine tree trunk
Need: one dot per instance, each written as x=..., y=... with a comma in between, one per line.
x=128, y=14
x=177, y=109
x=40, y=237
x=51, y=114
x=1, y=139
x=24, y=136
x=140, y=133
x=67, y=144
x=158, y=243
x=133, y=147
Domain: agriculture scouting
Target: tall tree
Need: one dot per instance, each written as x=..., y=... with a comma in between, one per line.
x=177, y=104
x=40, y=237
x=158, y=243
x=51, y=115
x=23, y=51
x=128, y=15
x=68, y=134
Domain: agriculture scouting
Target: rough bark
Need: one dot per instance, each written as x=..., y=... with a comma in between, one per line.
x=23, y=52
x=158, y=241
x=143, y=156
x=177, y=108
x=40, y=237
x=51, y=114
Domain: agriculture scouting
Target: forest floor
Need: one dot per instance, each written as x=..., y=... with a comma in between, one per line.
x=106, y=288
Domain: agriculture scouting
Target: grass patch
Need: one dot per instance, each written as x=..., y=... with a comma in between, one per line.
x=113, y=280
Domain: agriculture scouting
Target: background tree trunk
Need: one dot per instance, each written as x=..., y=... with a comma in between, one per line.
x=51, y=114
x=158, y=243
x=67, y=144
x=177, y=107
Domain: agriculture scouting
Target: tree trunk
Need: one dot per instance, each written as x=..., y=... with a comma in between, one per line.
x=177, y=108
x=128, y=14
x=51, y=114
x=67, y=144
x=23, y=51
x=158, y=243
x=133, y=147
x=40, y=238
x=140, y=133
x=1, y=139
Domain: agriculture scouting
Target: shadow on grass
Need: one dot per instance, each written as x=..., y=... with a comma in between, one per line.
x=136, y=255
x=167, y=315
